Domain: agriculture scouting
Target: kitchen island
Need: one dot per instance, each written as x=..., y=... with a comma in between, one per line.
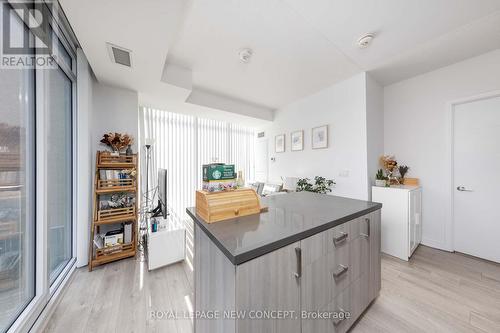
x=311, y=263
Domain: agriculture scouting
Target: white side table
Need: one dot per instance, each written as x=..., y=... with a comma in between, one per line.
x=168, y=244
x=401, y=219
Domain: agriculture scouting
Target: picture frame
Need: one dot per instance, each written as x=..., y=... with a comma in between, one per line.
x=297, y=140
x=319, y=137
x=279, y=143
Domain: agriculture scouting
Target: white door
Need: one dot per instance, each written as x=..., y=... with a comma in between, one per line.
x=261, y=160
x=477, y=178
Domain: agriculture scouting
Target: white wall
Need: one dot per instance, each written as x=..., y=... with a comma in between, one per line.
x=101, y=109
x=417, y=130
x=115, y=110
x=343, y=108
x=374, y=127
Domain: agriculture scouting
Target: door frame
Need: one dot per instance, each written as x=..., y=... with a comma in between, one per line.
x=450, y=225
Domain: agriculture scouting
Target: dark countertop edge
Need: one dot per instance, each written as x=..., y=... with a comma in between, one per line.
x=252, y=254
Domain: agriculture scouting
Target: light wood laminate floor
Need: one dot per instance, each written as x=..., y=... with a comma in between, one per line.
x=435, y=292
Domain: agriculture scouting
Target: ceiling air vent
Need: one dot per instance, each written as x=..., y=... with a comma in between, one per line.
x=119, y=55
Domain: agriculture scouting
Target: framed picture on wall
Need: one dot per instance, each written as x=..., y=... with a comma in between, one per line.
x=297, y=140
x=319, y=137
x=279, y=143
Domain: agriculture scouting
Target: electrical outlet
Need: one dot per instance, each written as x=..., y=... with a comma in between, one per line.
x=344, y=173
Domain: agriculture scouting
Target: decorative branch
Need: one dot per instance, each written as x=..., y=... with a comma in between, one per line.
x=117, y=141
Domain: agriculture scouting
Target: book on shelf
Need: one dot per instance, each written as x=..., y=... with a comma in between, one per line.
x=112, y=174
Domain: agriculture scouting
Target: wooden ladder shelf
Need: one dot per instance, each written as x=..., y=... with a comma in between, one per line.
x=105, y=162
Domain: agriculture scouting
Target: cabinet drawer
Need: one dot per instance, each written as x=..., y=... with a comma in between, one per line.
x=324, y=255
x=323, y=279
x=360, y=298
x=323, y=243
x=340, y=269
x=341, y=303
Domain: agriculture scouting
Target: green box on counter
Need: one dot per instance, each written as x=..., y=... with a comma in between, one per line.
x=218, y=171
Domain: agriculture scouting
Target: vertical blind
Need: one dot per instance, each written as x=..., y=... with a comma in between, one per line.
x=183, y=143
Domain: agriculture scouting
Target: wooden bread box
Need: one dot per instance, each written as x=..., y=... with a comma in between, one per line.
x=218, y=206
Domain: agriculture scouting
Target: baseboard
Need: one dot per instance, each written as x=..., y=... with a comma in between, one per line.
x=435, y=244
x=44, y=317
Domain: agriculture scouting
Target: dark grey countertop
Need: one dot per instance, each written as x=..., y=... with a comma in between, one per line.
x=290, y=218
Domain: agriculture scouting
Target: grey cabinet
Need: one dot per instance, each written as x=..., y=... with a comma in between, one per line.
x=375, y=279
x=270, y=282
x=336, y=270
x=324, y=255
x=341, y=272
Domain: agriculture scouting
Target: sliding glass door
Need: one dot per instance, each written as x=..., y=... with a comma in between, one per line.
x=36, y=162
x=17, y=186
x=58, y=117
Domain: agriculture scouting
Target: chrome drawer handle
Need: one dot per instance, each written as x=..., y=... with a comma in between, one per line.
x=367, y=235
x=337, y=321
x=298, y=254
x=341, y=270
x=340, y=239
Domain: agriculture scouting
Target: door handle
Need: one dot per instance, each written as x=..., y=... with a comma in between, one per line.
x=298, y=254
x=463, y=189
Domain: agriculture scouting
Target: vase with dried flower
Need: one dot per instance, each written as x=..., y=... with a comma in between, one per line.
x=389, y=163
x=403, y=170
x=129, y=152
x=117, y=142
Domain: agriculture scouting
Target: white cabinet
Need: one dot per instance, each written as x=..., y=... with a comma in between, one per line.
x=401, y=219
x=167, y=245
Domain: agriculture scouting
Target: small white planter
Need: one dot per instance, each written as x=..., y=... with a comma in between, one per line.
x=380, y=182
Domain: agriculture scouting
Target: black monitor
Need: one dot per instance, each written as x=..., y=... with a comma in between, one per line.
x=161, y=209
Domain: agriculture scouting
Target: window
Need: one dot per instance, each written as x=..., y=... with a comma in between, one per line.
x=17, y=187
x=59, y=170
x=36, y=177
x=183, y=143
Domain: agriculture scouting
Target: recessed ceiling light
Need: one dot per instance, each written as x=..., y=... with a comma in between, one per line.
x=365, y=40
x=245, y=55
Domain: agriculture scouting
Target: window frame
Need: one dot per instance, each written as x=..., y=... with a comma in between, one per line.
x=45, y=292
x=31, y=217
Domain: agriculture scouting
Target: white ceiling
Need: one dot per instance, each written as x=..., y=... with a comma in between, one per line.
x=185, y=53
x=412, y=36
x=291, y=59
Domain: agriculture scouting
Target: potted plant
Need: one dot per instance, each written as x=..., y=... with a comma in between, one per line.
x=320, y=185
x=380, y=178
